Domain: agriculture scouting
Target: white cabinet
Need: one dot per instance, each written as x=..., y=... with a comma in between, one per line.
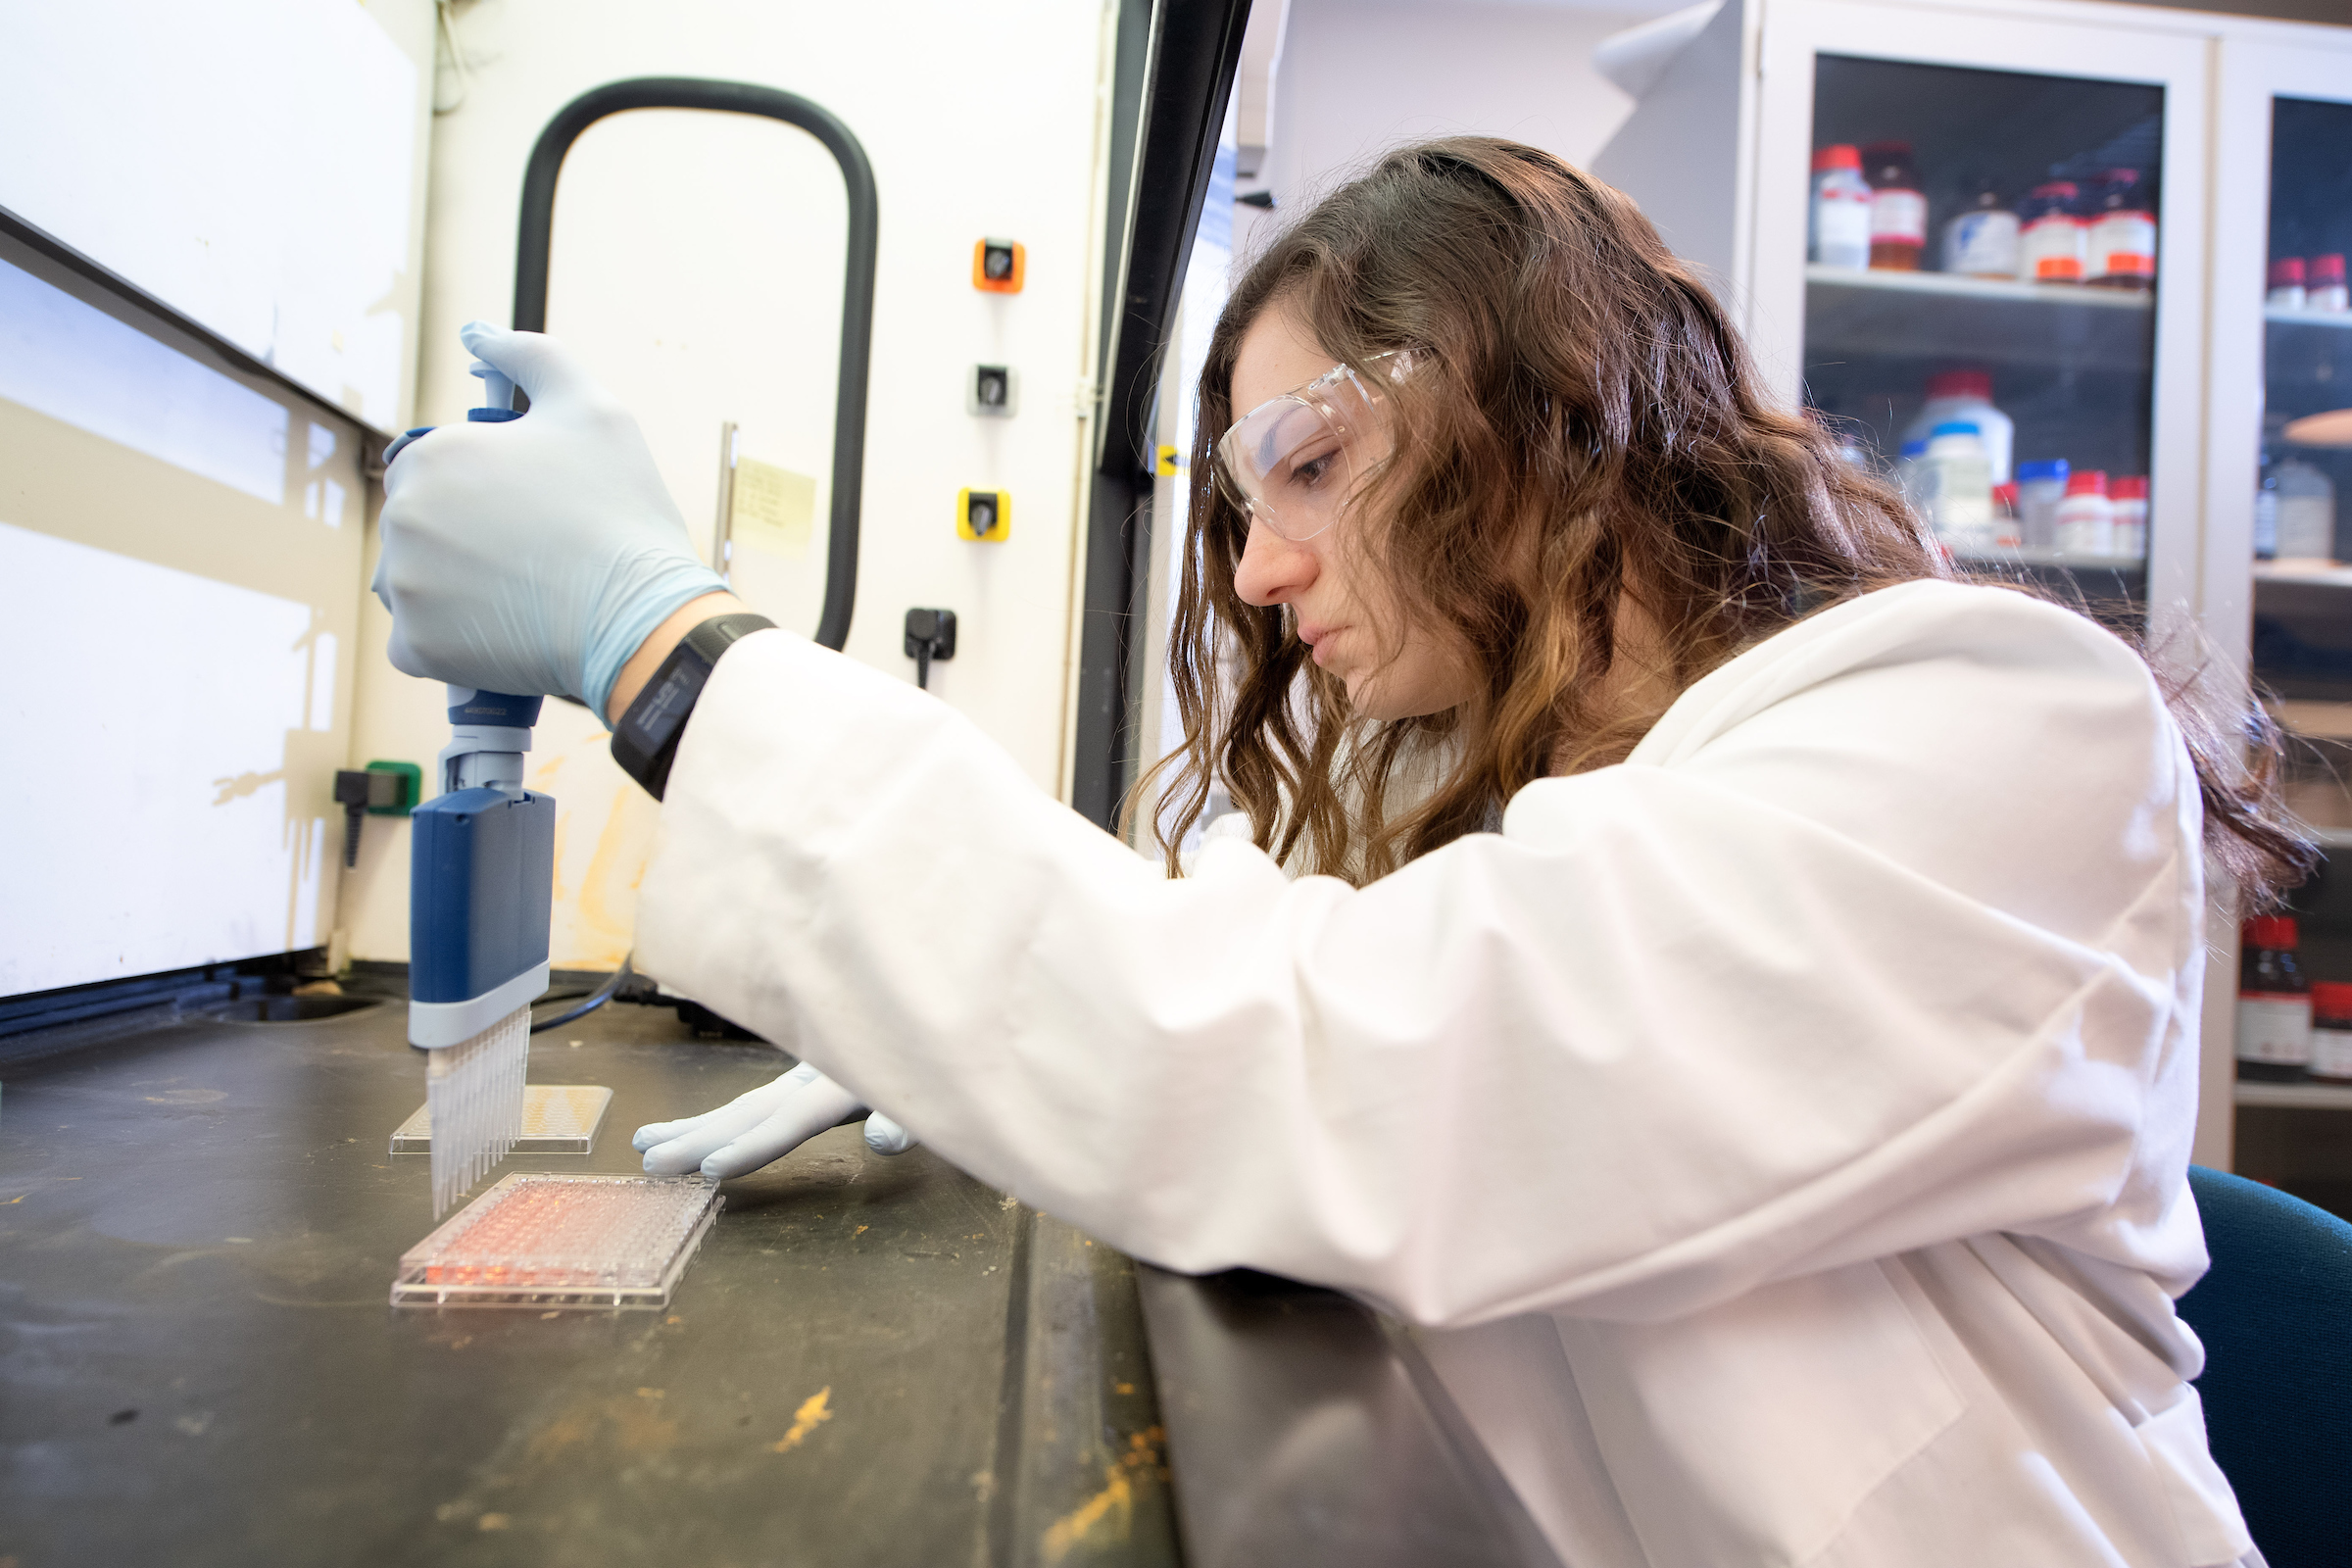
x=2040, y=103
x=2016, y=99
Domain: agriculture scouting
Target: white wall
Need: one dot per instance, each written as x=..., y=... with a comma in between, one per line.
x=1358, y=76
x=697, y=266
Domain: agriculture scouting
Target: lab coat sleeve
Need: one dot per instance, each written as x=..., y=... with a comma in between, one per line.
x=1886, y=947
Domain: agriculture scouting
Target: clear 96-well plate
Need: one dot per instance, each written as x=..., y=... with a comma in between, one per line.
x=540, y=1240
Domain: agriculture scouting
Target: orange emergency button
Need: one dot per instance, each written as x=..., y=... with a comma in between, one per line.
x=998, y=266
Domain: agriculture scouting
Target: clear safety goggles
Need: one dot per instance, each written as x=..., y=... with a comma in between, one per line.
x=1292, y=461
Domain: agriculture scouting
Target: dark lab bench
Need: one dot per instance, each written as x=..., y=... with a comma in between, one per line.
x=199, y=1225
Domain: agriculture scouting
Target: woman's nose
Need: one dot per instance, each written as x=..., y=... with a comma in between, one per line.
x=1273, y=571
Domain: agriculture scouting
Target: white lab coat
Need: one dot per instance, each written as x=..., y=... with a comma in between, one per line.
x=1779, y=1138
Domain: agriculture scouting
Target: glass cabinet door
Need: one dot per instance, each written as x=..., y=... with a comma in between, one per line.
x=2302, y=600
x=1979, y=248
x=1980, y=313
x=2282, y=465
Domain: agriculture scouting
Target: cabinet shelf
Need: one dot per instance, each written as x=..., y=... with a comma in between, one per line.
x=1939, y=315
x=2054, y=558
x=1954, y=285
x=2294, y=1097
x=2325, y=321
x=2314, y=575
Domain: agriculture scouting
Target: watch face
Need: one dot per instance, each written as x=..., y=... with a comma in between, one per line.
x=647, y=736
x=660, y=710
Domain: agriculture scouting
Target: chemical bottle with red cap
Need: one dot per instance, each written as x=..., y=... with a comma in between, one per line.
x=2128, y=493
x=2287, y=292
x=2331, y=1031
x=2008, y=527
x=2052, y=241
x=2121, y=235
x=2274, y=1003
x=1840, y=216
x=2324, y=283
x=2085, y=519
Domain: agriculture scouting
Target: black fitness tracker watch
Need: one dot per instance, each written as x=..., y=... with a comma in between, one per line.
x=645, y=740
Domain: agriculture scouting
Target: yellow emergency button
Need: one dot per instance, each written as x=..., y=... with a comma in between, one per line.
x=984, y=515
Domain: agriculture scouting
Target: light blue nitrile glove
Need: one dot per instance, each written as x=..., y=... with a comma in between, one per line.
x=755, y=1129
x=533, y=556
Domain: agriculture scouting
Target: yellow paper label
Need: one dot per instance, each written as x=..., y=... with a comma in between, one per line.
x=775, y=508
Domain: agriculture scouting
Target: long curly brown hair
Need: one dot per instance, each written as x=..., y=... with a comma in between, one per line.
x=1577, y=400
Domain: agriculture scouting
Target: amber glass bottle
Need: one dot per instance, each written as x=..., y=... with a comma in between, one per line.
x=1898, y=208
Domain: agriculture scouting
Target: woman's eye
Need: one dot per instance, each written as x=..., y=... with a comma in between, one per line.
x=1310, y=472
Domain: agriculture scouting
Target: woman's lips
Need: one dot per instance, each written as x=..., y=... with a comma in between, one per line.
x=1318, y=639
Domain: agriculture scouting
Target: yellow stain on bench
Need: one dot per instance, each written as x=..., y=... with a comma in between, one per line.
x=805, y=1420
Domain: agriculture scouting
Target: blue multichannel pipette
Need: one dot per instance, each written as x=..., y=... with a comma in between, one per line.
x=481, y=888
x=480, y=893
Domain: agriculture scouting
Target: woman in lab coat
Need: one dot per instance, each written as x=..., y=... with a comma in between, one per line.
x=1747, y=1009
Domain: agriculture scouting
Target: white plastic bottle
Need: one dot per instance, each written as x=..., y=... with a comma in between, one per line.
x=1967, y=394
x=1981, y=241
x=2087, y=517
x=1840, y=222
x=1957, y=481
x=2306, y=511
x=2129, y=497
x=2041, y=486
x=1908, y=477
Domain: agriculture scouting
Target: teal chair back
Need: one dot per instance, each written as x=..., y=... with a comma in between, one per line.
x=2275, y=1315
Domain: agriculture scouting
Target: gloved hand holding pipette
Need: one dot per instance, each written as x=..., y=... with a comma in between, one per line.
x=764, y=1126
x=535, y=556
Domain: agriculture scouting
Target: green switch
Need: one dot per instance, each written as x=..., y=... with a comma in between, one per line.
x=393, y=788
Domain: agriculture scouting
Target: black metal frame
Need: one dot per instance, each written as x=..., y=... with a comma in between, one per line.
x=1261, y=1377
x=1186, y=57
x=537, y=232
